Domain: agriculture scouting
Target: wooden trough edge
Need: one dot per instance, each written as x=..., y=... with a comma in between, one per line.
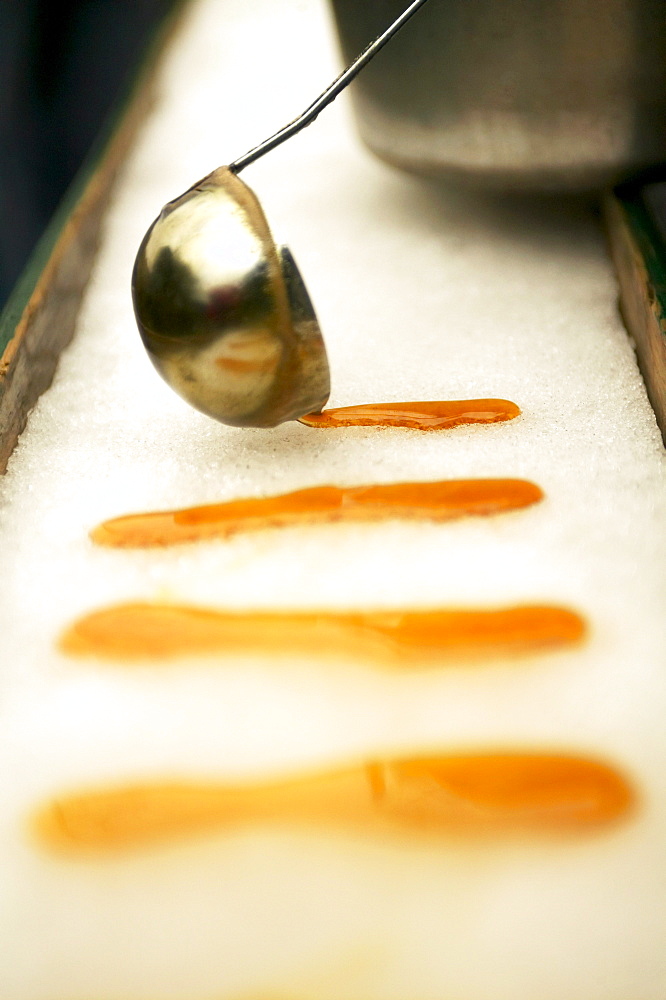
x=39, y=318
x=639, y=256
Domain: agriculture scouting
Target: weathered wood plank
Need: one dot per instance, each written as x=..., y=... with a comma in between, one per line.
x=39, y=318
x=639, y=255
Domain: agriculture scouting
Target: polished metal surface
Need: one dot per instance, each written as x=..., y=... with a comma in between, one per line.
x=515, y=94
x=224, y=313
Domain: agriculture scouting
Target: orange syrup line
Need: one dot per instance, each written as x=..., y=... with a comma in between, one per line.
x=158, y=631
x=440, y=795
x=433, y=501
x=431, y=415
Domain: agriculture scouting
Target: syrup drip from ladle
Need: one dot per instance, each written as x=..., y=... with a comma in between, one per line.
x=222, y=311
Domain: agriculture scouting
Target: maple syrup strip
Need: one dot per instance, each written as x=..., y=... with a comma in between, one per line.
x=157, y=631
x=433, y=501
x=439, y=795
x=435, y=415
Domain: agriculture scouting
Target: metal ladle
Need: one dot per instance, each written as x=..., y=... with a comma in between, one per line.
x=222, y=311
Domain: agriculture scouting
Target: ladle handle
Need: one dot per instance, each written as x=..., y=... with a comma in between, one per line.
x=329, y=94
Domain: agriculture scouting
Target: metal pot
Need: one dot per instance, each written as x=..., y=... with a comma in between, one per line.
x=514, y=94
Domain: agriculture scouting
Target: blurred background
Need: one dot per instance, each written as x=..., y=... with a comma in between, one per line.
x=590, y=114
x=63, y=67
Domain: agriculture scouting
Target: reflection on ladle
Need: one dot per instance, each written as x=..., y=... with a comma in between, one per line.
x=223, y=312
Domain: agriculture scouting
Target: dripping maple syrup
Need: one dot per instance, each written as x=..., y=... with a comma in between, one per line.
x=155, y=631
x=431, y=415
x=454, y=794
x=434, y=501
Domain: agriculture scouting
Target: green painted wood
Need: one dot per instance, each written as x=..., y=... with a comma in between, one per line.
x=638, y=249
x=39, y=317
x=18, y=299
x=646, y=234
